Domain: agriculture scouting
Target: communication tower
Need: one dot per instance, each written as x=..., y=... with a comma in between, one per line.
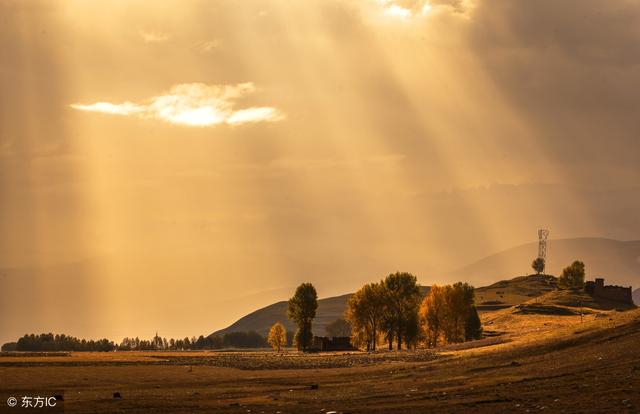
x=543, y=235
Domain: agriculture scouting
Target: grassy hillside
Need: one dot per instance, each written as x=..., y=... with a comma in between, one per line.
x=617, y=261
x=506, y=293
x=500, y=295
x=329, y=309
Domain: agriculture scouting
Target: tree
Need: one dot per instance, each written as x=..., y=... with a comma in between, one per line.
x=432, y=314
x=277, y=336
x=459, y=299
x=412, y=333
x=473, y=325
x=572, y=276
x=302, y=309
x=365, y=313
x=290, y=335
x=538, y=265
x=448, y=314
x=402, y=303
x=338, y=328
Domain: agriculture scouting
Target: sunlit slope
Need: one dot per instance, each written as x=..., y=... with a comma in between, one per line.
x=506, y=293
x=617, y=261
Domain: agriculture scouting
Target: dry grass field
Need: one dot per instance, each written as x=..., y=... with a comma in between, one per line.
x=533, y=363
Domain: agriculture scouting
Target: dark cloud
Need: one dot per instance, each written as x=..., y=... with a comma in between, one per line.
x=571, y=69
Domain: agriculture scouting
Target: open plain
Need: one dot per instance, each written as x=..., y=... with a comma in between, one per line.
x=529, y=362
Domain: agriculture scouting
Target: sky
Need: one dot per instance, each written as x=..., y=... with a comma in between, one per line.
x=172, y=165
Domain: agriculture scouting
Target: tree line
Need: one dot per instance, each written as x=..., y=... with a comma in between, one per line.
x=62, y=342
x=58, y=342
x=249, y=339
x=392, y=311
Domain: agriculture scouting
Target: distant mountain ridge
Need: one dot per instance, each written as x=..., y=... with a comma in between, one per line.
x=617, y=261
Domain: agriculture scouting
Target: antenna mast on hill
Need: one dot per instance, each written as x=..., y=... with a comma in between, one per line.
x=543, y=235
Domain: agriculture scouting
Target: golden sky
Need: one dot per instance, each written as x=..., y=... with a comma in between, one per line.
x=172, y=165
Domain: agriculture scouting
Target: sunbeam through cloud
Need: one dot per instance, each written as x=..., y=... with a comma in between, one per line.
x=193, y=104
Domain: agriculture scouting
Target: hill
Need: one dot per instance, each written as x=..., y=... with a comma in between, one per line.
x=618, y=261
x=329, y=309
x=506, y=293
x=538, y=289
x=499, y=295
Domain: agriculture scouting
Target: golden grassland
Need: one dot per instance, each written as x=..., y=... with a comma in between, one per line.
x=533, y=363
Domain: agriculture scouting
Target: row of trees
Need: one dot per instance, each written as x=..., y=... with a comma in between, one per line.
x=50, y=342
x=394, y=310
x=62, y=342
x=387, y=309
x=230, y=340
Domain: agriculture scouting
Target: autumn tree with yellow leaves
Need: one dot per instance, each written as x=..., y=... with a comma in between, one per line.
x=277, y=336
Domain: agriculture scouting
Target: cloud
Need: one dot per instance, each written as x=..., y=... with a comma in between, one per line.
x=154, y=36
x=207, y=46
x=193, y=104
x=409, y=9
x=398, y=11
x=405, y=9
x=125, y=108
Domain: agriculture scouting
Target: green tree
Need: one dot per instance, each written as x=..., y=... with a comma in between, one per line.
x=338, y=328
x=538, y=265
x=412, y=333
x=572, y=276
x=402, y=302
x=473, y=325
x=302, y=309
x=365, y=313
x=277, y=336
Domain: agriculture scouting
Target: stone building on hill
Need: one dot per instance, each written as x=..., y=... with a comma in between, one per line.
x=598, y=289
